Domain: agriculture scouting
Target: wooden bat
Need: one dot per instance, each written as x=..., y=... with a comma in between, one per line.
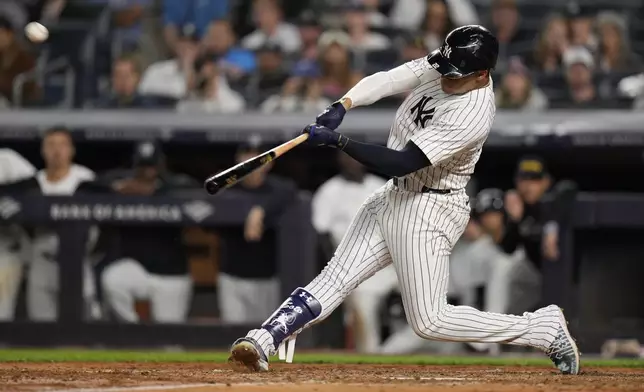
x=230, y=177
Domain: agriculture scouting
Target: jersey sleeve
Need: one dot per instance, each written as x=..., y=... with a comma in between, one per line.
x=454, y=128
x=423, y=71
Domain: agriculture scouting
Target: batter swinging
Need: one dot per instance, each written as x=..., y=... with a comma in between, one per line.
x=415, y=219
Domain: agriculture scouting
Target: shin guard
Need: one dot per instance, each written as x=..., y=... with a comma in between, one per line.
x=298, y=310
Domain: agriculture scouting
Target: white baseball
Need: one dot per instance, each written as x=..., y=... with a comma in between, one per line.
x=36, y=32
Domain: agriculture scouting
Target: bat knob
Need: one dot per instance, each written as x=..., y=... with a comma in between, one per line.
x=211, y=187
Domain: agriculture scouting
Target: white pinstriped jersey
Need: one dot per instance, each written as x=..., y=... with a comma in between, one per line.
x=449, y=129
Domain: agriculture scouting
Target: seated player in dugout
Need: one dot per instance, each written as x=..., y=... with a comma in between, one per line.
x=248, y=284
x=535, y=210
x=414, y=221
x=146, y=265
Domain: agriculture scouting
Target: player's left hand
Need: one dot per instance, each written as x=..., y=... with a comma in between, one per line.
x=332, y=116
x=323, y=136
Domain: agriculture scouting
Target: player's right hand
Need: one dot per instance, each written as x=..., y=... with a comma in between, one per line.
x=332, y=116
x=514, y=205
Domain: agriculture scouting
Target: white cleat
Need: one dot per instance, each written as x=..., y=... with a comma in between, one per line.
x=247, y=355
x=563, y=352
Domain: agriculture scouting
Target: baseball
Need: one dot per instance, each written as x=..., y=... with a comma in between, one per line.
x=36, y=32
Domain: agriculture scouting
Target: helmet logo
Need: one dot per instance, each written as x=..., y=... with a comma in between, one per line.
x=447, y=51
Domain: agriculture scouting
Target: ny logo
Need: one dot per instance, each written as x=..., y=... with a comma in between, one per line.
x=422, y=115
x=447, y=51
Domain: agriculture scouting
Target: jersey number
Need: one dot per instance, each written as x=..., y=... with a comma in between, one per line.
x=421, y=114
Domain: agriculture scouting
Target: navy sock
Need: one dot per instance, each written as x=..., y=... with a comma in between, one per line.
x=298, y=310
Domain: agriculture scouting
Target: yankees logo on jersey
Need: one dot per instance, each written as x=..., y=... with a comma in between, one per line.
x=422, y=115
x=450, y=129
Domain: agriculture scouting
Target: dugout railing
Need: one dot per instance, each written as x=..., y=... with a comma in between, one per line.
x=72, y=217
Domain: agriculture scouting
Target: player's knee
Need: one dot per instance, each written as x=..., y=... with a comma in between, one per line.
x=432, y=324
x=113, y=280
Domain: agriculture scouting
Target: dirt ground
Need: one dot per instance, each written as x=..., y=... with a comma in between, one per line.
x=204, y=377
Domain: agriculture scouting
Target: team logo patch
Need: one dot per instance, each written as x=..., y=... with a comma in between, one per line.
x=447, y=51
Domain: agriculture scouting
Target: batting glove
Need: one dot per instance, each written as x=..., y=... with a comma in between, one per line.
x=332, y=116
x=323, y=136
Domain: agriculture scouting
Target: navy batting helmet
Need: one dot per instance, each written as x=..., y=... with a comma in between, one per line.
x=466, y=50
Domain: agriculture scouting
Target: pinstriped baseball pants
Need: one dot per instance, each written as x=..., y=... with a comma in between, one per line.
x=416, y=232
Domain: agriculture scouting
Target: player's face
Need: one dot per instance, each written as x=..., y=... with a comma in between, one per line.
x=491, y=222
x=57, y=150
x=125, y=78
x=531, y=190
x=256, y=178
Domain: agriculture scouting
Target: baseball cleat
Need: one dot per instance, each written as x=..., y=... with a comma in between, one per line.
x=247, y=355
x=563, y=352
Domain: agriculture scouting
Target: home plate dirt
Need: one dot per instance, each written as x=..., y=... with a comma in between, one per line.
x=205, y=377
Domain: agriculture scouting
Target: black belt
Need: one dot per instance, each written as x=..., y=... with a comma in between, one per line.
x=425, y=189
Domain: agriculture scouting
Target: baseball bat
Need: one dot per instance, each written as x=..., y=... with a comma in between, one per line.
x=232, y=176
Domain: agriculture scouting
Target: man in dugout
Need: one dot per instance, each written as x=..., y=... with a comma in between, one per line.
x=529, y=231
x=248, y=285
x=151, y=264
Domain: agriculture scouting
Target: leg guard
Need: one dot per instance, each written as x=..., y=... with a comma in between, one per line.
x=298, y=310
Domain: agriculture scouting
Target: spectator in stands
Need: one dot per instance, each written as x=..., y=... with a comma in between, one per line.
x=302, y=92
x=248, y=290
x=334, y=205
x=127, y=16
x=356, y=19
x=374, y=16
x=60, y=177
x=195, y=13
x=337, y=75
x=551, y=44
x=271, y=73
x=126, y=74
x=148, y=264
x=15, y=60
x=615, y=54
x=581, y=23
x=581, y=90
x=175, y=77
x=235, y=62
x=212, y=94
x=517, y=91
x=13, y=238
x=411, y=14
x=437, y=24
x=310, y=31
x=506, y=24
x=413, y=48
x=271, y=29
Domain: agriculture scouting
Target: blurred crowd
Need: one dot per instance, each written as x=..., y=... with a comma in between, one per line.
x=227, y=56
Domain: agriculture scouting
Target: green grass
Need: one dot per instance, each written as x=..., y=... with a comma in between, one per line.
x=65, y=355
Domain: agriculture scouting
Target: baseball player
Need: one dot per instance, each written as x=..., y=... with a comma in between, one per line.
x=415, y=219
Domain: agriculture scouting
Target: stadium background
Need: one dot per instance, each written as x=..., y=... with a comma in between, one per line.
x=92, y=76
